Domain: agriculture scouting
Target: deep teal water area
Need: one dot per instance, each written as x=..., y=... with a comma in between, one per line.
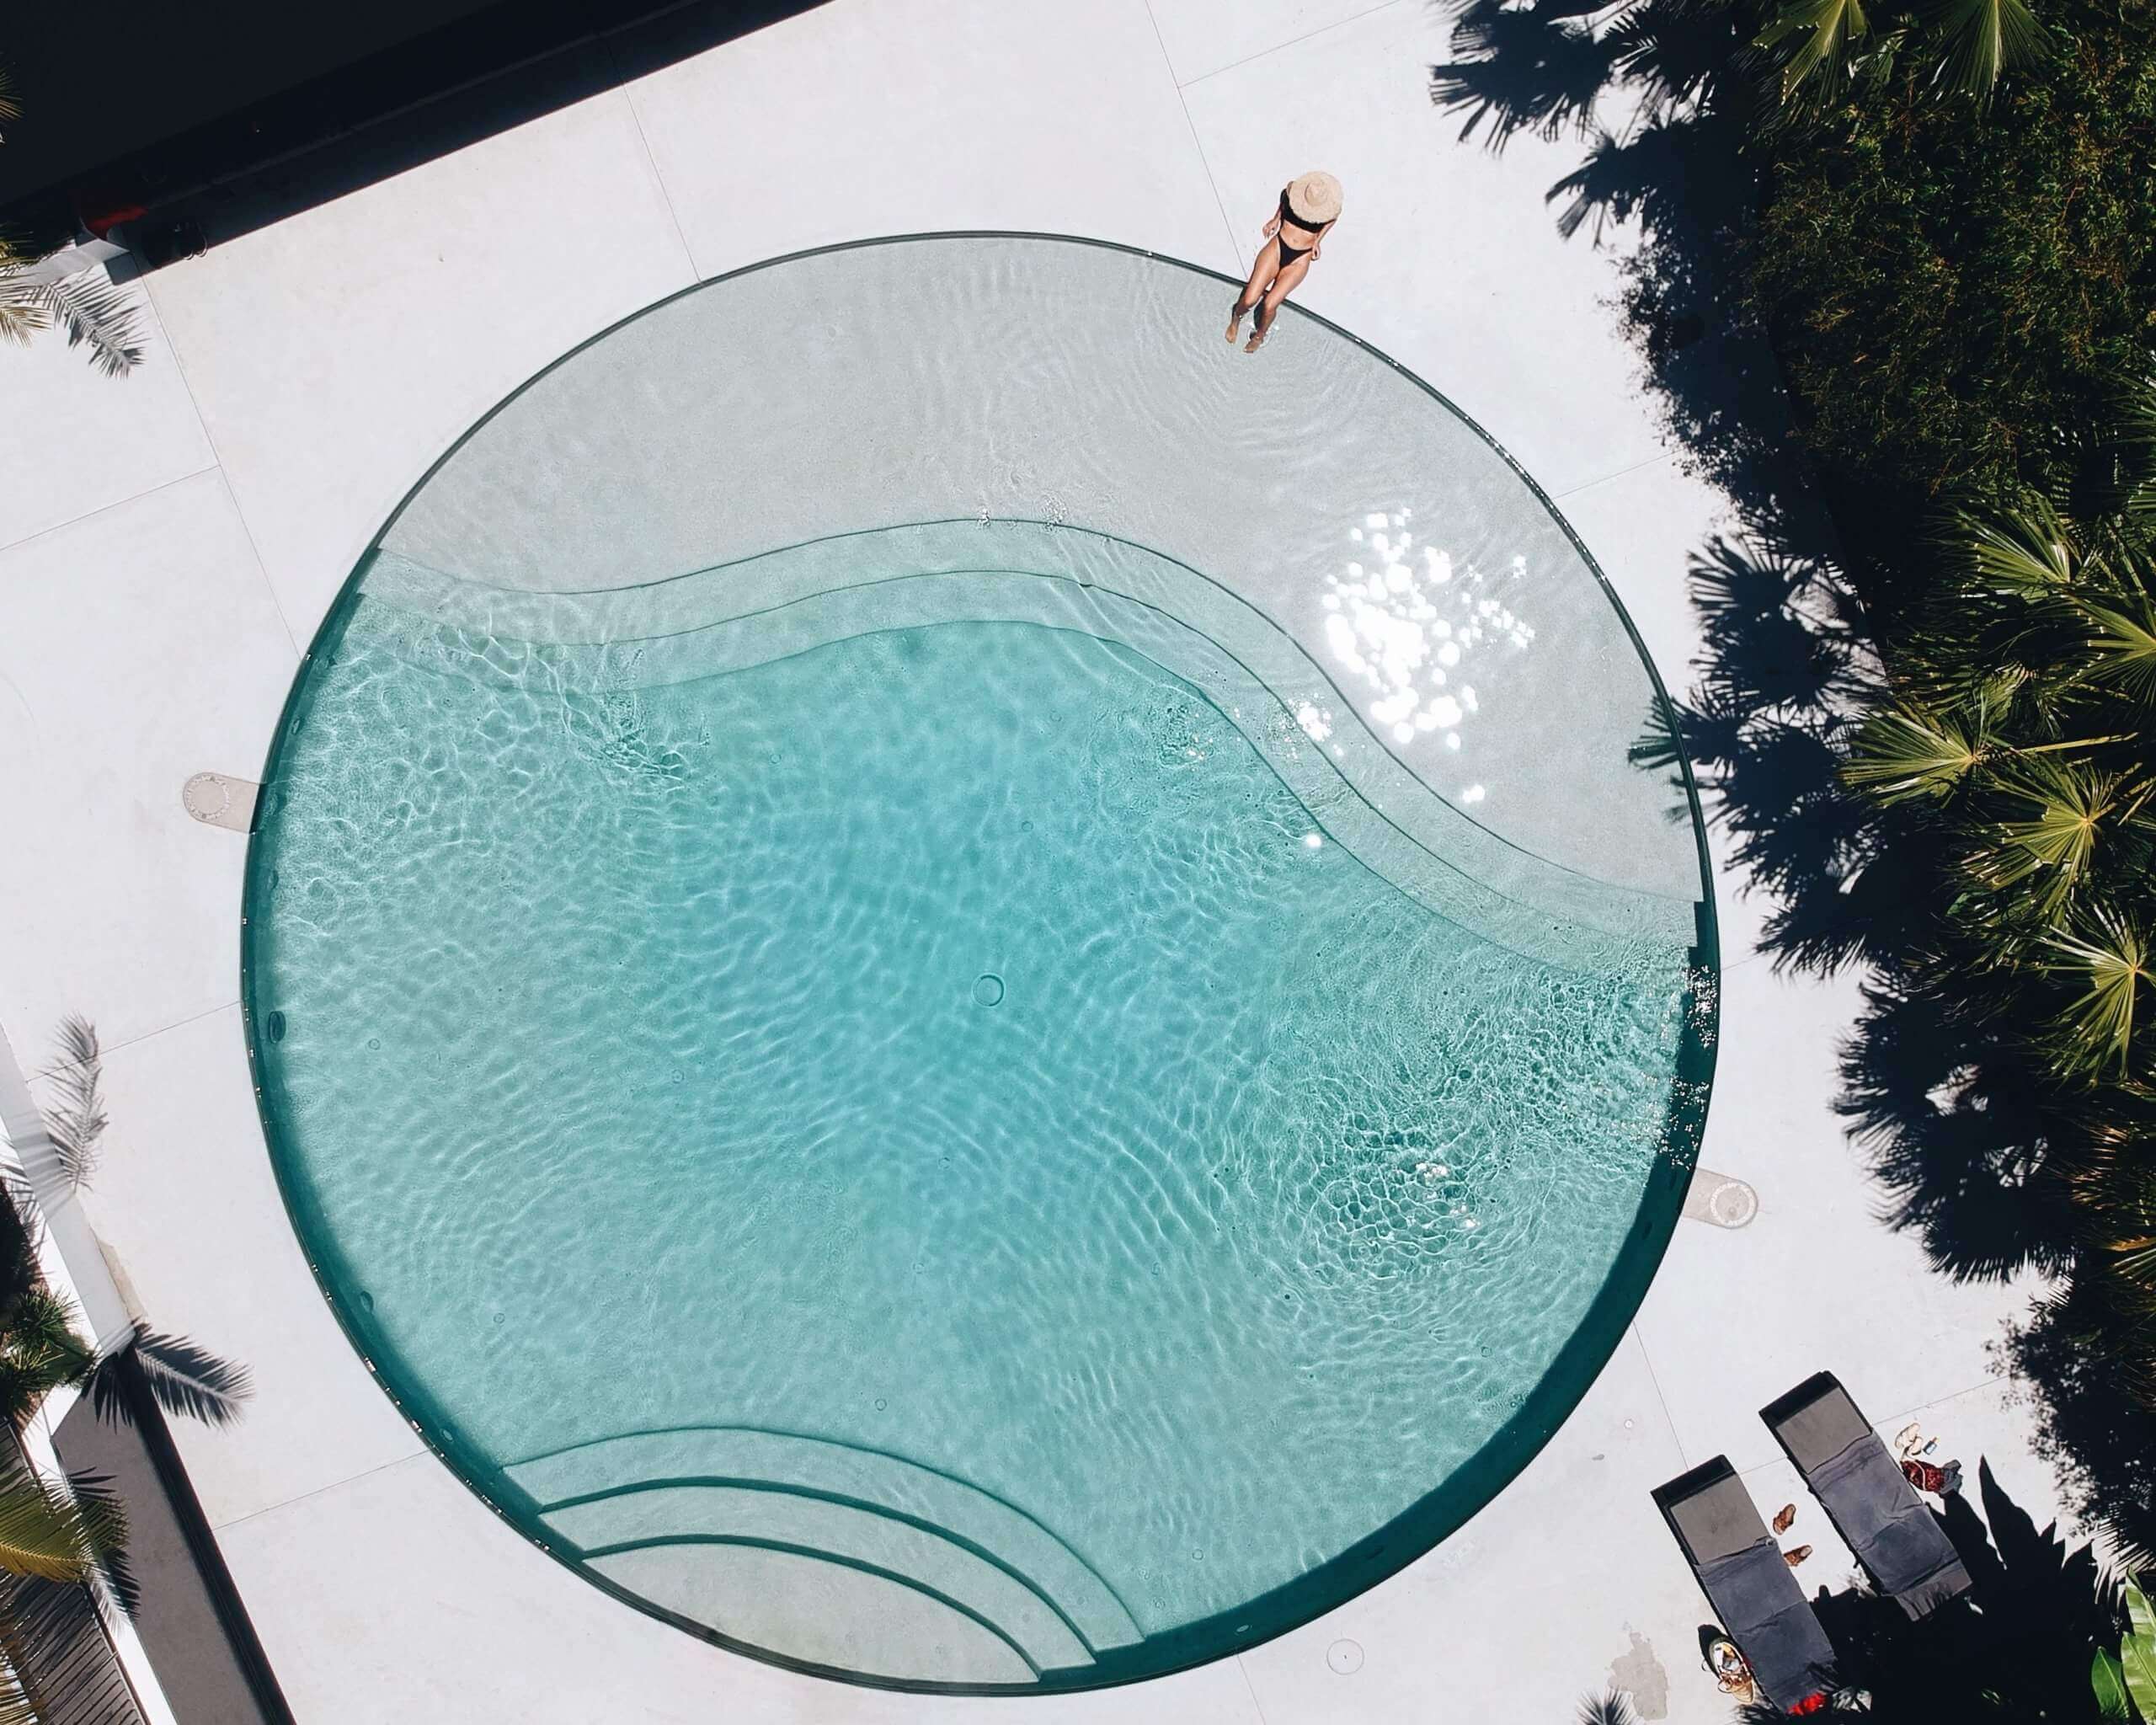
x=932, y=1119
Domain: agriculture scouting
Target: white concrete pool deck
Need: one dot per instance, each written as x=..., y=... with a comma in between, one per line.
x=169, y=544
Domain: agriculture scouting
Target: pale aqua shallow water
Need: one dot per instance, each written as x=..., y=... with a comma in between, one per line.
x=945, y=1139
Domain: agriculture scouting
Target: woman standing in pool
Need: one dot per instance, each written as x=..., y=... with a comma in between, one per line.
x=1295, y=240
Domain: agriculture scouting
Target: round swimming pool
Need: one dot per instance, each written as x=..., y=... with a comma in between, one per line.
x=965, y=991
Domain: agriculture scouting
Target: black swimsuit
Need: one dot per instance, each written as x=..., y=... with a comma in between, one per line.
x=1288, y=218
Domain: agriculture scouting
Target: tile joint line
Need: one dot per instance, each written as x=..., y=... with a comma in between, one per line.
x=658, y=180
x=1234, y=249
x=91, y=514
x=217, y=461
x=1322, y=29
x=221, y=1527
x=40, y=1073
x=1667, y=455
x=1647, y=1360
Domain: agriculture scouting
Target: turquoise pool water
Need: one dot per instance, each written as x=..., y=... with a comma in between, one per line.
x=955, y=1102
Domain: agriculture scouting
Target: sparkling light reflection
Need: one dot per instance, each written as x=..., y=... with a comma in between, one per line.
x=1404, y=622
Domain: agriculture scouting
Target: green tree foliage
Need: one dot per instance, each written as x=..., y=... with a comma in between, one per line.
x=2124, y=1682
x=1954, y=277
x=1952, y=295
x=96, y=316
x=1825, y=52
x=57, y=1538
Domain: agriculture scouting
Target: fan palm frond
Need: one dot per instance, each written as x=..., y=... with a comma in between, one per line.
x=10, y=108
x=2072, y=806
x=40, y=1350
x=2113, y=959
x=2123, y=641
x=77, y=1120
x=1824, y=33
x=1906, y=752
x=2025, y=549
x=2133, y=441
x=2109, y=468
x=1984, y=38
x=2134, y=1259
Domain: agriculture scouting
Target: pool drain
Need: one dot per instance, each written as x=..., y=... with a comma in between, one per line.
x=988, y=988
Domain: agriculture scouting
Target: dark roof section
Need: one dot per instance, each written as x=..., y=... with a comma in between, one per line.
x=234, y=115
x=190, y=1620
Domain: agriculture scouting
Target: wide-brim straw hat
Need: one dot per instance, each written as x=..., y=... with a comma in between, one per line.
x=1315, y=195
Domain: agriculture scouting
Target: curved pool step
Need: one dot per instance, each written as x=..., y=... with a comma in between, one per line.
x=819, y=1611
x=1263, y=679
x=860, y=1536
x=965, y=1537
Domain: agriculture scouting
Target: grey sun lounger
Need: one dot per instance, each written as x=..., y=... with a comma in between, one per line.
x=1740, y=1571
x=1866, y=1496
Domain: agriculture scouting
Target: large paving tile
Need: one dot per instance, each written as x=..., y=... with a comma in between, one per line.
x=399, y=1596
x=1642, y=528
x=335, y=354
x=186, y=1202
x=1206, y=36
x=1568, y=1573
x=871, y=117
x=74, y=440
x=1446, y=257
x=1816, y=1281
x=137, y=647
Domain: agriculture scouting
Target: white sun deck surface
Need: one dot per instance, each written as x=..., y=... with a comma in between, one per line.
x=169, y=544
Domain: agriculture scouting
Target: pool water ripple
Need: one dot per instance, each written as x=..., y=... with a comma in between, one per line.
x=1110, y=1183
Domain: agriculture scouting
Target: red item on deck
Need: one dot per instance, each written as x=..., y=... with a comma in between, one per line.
x=101, y=218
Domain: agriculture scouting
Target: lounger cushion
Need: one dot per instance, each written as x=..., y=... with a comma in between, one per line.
x=1742, y=1572
x=1866, y=1496
x=1880, y=1518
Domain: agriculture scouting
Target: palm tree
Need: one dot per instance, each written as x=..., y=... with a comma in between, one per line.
x=1712, y=77
x=41, y=1347
x=1823, y=52
x=97, y=316
x=2016, y=742
x=57, y=1538
x=2023, y=718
